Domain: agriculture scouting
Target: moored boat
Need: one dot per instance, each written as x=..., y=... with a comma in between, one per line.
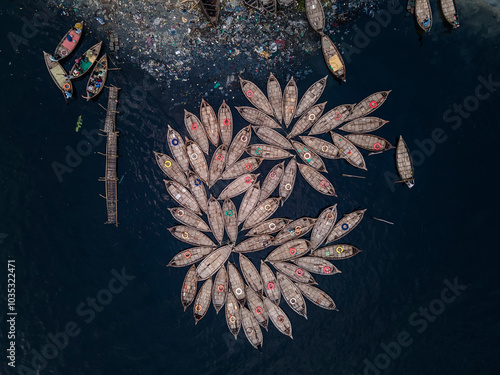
x=369, y=104
x=404, y=163
x=257, y=117
x=178, y=148
x=225, y=118
x=219, y=292
x=171, y=168
x=331, y=119
x=449, y=8
x=336, y=252
x=97, y=78
x=217, y=164
x=202, y=301
x=270, y=283
x=230, y=219
x=310, y=116
x=250, y=273
x=249, y=201
x=256, y=307
x=370, y=142
x=238, y=145
x=292, y=294
x=246, y=165
x=345, y=225
x=196, y=130
x=269, y=6
x=267, y=152
x=215, y=218
x=288, y=180
x=272, y=137
x=236, y=283
x=290, y=97
x=269, y=226
x=190, y=235
x=315, y=15
x=189, y=287
x=289, y=250
x=317, y=296
x=423, y=15
x=309, y=157
x=252, y=244
x=251, y=328
x=189, y=218
x=238, y=186
x=198, y=190
x=363, y=125
x=296, y=229
x=233, y=314
x=272, y=181
x=348, y=151
x=293, y=272
x=323, y=226
x=59, y=76
x=69, y=42
x=321, y=147
x=211, y=9
x=182, y=196
x=278, y=317
x=256, y=96
x=319, y=182
x=85, y=62
x=333, y=58
x=311, y=96
x=262, y=212
x=190, y=256
x=197, y=160
x=275, y=97
x=213, y=262
x=316, y=265
x=209, y=121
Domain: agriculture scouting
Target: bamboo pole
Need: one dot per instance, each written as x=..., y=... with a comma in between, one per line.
x=351, y=175
x=382, y=220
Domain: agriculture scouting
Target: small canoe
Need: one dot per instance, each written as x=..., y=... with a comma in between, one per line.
x=238, y=186
x=288, y=180
x=97, y=78
x=69, y=42
x=404, y=163
x=236, y=283
x=262, y=212
x=321, y=147
x=289, y=250
x=269, y=6
x=256, y=307
x=178, y=148
x=251, y=328
x=369, y=142
x=182, y=196
x=278, y=317
x=211, y=9
x=238, y=145
x=272, y=181
x=311, y=96
x=296, y=229
x=202, y=301
x=275, y=97
x=85, y=62
x=270, y=283
x=257, y=117
x=363, y=125
x=319, y=182
x=217, y=164
x=249, y=201
x=225, y=118
x=449, y=8
x=256, y=96
x=190, y=235
x=345, y=225
x=250, y=273
x=269, y=226
x=309, y=157
x=196, y=130
x=233, y=314
x=332, y=119
x=267, y=152
x=317, y=296
x=307, y=120
x=171, y=168
x=293, y=272
x=215, y=218
x=230, y=219
x=315, y=15
x=189, y=218
x=316, y=265
x=423, y=15
x=197, y=160
x=348, y=151
x=59, y=76
x=323, y=226
x=190, y=256
x=290, y=97
x=209, y=121
x=369, y=104
x=336, y=252
x=219, y=292
x=213, y=262
x=246, y=165
x=292, y=295
x=189, y=287
x=272, y=137
x=198, y=190
x=252, y=244
x=333, y=58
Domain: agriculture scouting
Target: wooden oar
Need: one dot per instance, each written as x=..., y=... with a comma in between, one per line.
x=400, y=181
x=382, y=220
x=351, y=175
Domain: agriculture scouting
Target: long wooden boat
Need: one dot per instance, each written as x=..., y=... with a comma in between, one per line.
x=197, y=160
x=252, y=244
x=69, y=42
x=269, y=6
x=370, y=142
x=171, y=168
x=315, y=15
x=292, y=295
x=272, y=181
x=262, y=212
x=217, y=164
x=190, y=235
x=278, y=317
x=275, y=97
x=317, y=296
x=238, y=186
x=230, y=219
x=272, y=137
x=85, y=62
x=345, y=225
x=215, y=218
x=202, y=301
x=238, y=145
x=209, y=121
x=323, y=226
x=294, y=272
x=267, y=152
x=290, y=97
x=333, y=58
x=269, y=226
x=270, y=283
x=348, y=151
x=404, y=163
x=307, y=120
x=182, y=196
x=319, y=182
x=219, y=292
x=198, y=190
x=321, y=147
x=336, y=252
x=196, y=130
x=190, y=256
x=250, y=273
x=59, y=76
x=211, y=9
x=257, y=117
x=178, y=148
x=246, y=165
x=225, y=118
x=189, y=287
x=363, y=125
x=369, y=104
x=296, y=229
x=449, y=8
x=423, y=15
x=249, y=201
x=189, y=218
x=251, y=328
x=311, y=96
x=213, y=262
x=288, y=180
x=316, y=265
x=252, y=4
x=97, y=78
x=236, y=283
x=256, y=307
x=289, y=250
x=309, y=157
x=256, y=96
x=332, y=119
x=233, y=314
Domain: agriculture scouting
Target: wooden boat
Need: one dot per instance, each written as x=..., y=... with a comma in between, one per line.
x=288, y=180
x=369, y=142
x=323, y=226
x=198, y=190
x=285, y=3
x=171, y=168
x=83, y=64
x=290, y=96
x=59, y=76
x=311, y=96
x=202, y=301
x=269, y=6
x=217, y=165
x=275, y=97
x=233, y=314
x=178, y=148
x=238, y=186
x=348, y=151
x=211, y=9
x=196, y=130
x=404, y=163
x=215, y=218
x=296, y=229
x=319, y=182
x=251, y=275
x=97, y=78
x=236, y=283
x=293, y=272
x=345, y=225
x=333, y=58
x=249, y=201
x=256, y=306
x=317, y=296
x=321, y=147
x=332, y=119
x=278, y=317
x=336, y=252
x=230, y=219
x=289, y=250
x=292, y=295
x=270, y=283
x=190, y=235
x=272, y=137
x=251, y=328
x=190, y=256
x=189, y=287
x=307, y=120
x=189, y=218
x=267, y=152
x=182, y=196
x=316, y=265
x=256, y=96
x=213, y=262
x=272, y=181
x=246, y=165
x=219, y=292
x=423, y=15
x=262, y=212
x=252, y=4
x=363, y=125
x=257, y=117
x=252, y=244
x=197, y=160
x=69, y=42
x=449, y=8
x=269, y=226
x=309, y=157
x=315, y=15
x=225, y=123
x=369, y=104
x=238, y=145
x=209, y=122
